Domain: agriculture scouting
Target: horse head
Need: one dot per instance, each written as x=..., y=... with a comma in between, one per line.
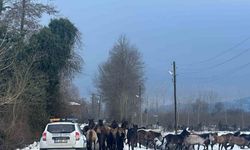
x=135, y=126
x=114, y=124
x=237, y=133
x=125, y=124
x=100, y=122
x=91, y=123
x=185, y=133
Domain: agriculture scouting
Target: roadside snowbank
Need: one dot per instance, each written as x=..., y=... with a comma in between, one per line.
x=34, y=146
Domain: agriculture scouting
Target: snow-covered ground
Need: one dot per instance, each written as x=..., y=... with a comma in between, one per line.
x=35, y=145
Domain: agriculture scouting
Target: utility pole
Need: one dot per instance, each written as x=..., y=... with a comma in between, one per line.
x=99, y=107
x=175, y=103
x=93, y=105
x=23, y=16
x=140, y=99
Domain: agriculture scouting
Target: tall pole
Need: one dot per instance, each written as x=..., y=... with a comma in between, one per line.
x=23, y=16
x=140, y=99
x=99, y=107
x=93, y=105
x=175, y=104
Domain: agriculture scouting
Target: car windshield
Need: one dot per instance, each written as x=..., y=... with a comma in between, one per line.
x=61, y=128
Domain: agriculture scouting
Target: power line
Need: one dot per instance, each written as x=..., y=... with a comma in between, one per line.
x=221, y=63
x=224, y=75
x=226, y=51
x=221, y=53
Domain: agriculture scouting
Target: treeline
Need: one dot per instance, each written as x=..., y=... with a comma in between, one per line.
x=201, y=114
x=37, y=64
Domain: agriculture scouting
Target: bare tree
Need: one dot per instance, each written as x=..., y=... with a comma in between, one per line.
x=23, y=16
x=119, y=80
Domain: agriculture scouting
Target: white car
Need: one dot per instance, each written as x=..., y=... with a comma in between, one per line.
x=62, y=135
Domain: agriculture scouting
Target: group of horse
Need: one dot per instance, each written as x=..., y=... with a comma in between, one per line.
x=113, y=137
x=108, y=137
x=187, y=140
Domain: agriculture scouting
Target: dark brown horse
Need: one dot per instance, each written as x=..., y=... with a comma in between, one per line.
x=142, y=137
x=223, y=140
x=238, y=140
x=102, y=133
x=148, y=137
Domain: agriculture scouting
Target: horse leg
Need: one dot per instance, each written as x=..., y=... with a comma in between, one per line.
x=99, y=144
x=232, y=146
x=90, y=145
x=177, y=147
x=88, y=148
x=147, y=144
x=226, y=146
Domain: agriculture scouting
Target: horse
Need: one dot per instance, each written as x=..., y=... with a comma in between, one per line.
x=247, y=137
x=152, y=137
x=209, y=139
x=142, y=137
x=132, y=137
x=176, y=139
x=148, y=137
x=102, y=133
x=213, y=142
x=112, y=138
x=91, y=125
x=227, y=138
x=223, y=140
x=125, y=126
x=238, y=140
x=194, y=139
x=120, y=138
x=91, y=137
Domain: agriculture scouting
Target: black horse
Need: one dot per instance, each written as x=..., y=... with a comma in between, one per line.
x=132, y=137
x=176, y=140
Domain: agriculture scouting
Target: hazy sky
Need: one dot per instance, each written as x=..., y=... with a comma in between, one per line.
x=208, y=39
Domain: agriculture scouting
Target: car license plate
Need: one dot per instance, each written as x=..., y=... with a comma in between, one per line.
x=60, y=141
